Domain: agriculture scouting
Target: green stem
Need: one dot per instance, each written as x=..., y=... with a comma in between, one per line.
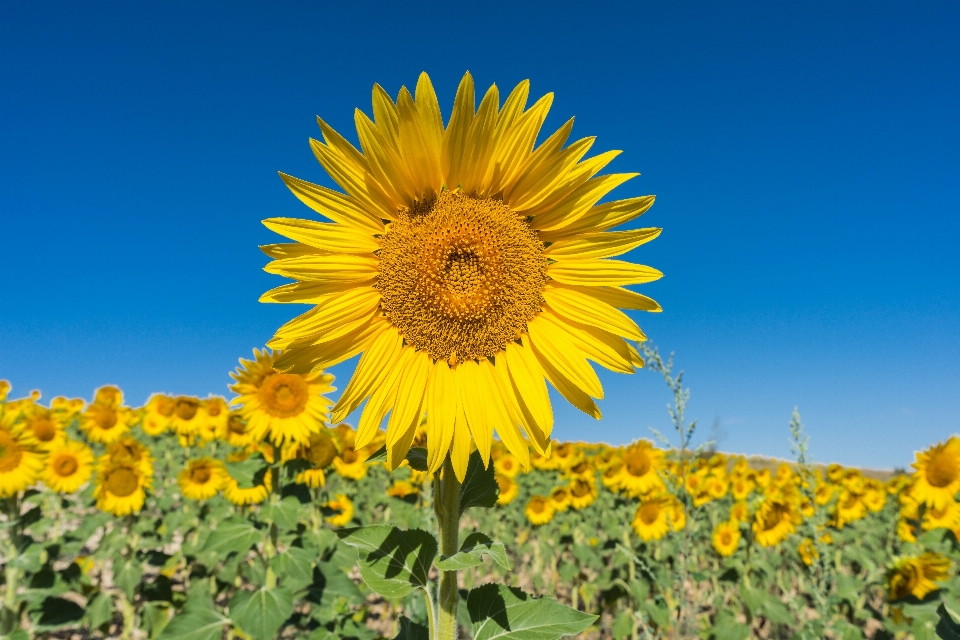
x=447, y=505
x=9, y=617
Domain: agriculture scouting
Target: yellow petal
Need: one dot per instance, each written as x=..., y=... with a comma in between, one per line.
x=386, y=165
x=286, y=250
x=604, y=244
x=397, y=452
x=555, y=344
x=370, y=372
x=519, y=413
x=580, y=201
x=410, y=391
x=476, y=157
x=475, y=406
x=455, y=135
x=606, y=349
x=442, y=400
x=355, y=180
x=567, y=388
x=308, y=358
x=602, y=217
x=327, y=268
x=417, y=148
x=572, y=180
x=616, y=297
x=460, y=448
x=512, y=151
x=429, y=109
x=340, y=146
x=333, y=205
x=513, y=107
x=338, y=238
x=546, y=180
x=336, y=317
x=309, y=292
x=541, y=158
x=585, y=309
x=386, y=116
x=527, y=378
x=599, y=273
x=499, y=413
x=382, y=400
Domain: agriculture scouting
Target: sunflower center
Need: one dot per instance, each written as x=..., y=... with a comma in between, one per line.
x=773, y=517
x=214, y=408
x=579, y=489
x=284, y=394
x=44, y=429
x=66, y=466
x=122, y=482
x=200, y=475
x=461, y=276
x=10, y=453
x=503, y=483
x=187, y=408
x=105, y=417
x=942, y=470
x=349, y=456
x=237, y=425
x=538, y=505
x=638, y=463
x=649, y=512
x=322, y=451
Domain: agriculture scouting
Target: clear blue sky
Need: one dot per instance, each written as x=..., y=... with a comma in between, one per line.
x=805, y=158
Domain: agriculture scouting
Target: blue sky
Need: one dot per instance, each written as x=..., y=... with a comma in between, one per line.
x=804, y=157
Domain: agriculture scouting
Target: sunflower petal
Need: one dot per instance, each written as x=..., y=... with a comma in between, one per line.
x=410, y=391
x=308, y=358
x=355, y=180
x=617, y=297
x=606, y=349
x=476, y=158
x=605, y=244
x=460, y=447
x=585, y=309
x=513, y=150
x=386, y=166
x=513, y=107
x=500, y=415
x=598, y=273
x=533, y=188
x=567, y=388
x=602, y=217
x=310, y=292
x=338, y=238
x=386, y=116
x=442, y=402
x=417, y=147
x=571, y=180
x=475, y=407
x=287, y=250
x=527, y=378
x=555, y=345
x=327, y=268
x=382, y=400
x=457, y=131
x=336, y=317
x=370, y=373
x=580, y=201
x=429, y=109
x=333, y=205
x=397, y=452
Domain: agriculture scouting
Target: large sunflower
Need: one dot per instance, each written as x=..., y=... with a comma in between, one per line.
x=105, y=422
x=202, y=478
x=466, y=266
x=121, y=488
x=68, y=466
x=19, y=464
x=937, y=479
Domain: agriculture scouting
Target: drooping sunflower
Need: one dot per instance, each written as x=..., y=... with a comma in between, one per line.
x=320, y=452
x=121, y=488
x=342, y=509
x=19, y=464
x=202, y=478
x=68, y=466
x=937, y=478
x=466, y=266
x=508, y=489
x=916, y=575
x=539, y=511
x=241, y=496
x=127, y=451
x=284, y=407
x=726, y=537
x=157, y=415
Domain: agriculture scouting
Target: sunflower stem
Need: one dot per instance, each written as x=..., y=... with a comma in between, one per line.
x=9, y=616
x=447, y=505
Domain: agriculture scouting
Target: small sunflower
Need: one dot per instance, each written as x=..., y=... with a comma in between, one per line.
x=68, y=467
x=937, y=477
x=467, y=266
x=342, y=509
x=824, y=493
x=109, y=395
x=849, y=508
x=401, y=489
x=186, y=420
x=740, y=511
x=128, y=451
x=158, y=414
x=807, y=551
x=241, y=496
x=284, y=407
x=560, y=498
x=539, y=511
x=351, y=464
x=945, y=518
x=652, y=519
x=214, y=415
x=717, y=488
x=121, y=489
x=776, y=518
x=583, y=493
x=105, y=422
x=41, y=428
x=507, y=465
x=237, y=433
x=19, y=465
x=741, y=487
x=508, y=490
x=726, y=537
x=202, y=478
x=916, y=575
x=564, y=455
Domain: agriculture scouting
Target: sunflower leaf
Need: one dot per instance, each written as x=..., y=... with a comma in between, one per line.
x=480, y=488
x=261, y=613
x=506, y=613
x=393, y=562
x=471, y=554
x=947, y=628
x=233, y=535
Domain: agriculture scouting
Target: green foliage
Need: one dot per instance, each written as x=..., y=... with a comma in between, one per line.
x=480, y=487
x=499, y=612
x=471, y=554
x=393, y=562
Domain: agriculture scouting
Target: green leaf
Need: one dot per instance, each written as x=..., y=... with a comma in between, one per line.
x=380, y=455
x=846, y=631
x=261, y=613
x=775, y=611
x=245, y=471
x=282, y=512
x=337, y=584
x=726, y=627
x=30, y=559
x=393, y=562
x=947, y=627
x=622, y=626
x=410, y=630
x=480, y=488
x=57, y=612
x=497, y=611
x=195, y=623
x=154, y=617
x=234, y=535
x=99, y=610
x=294, y=567
x=417, y=457
x=128, y=578
x=471, y=554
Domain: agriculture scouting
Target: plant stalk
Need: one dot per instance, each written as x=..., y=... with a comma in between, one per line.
x=447, y=505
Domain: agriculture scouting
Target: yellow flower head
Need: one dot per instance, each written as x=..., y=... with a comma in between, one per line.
x=583, y=469
x=507, y=465
x=467, y=266
x=201, y=479
x=284, y=407
x=402, y=488
x=19, y=464
x=560, y=498
x=4, y=390
x=237, y=432
x=158, y=414
x=775, y=520
x=808, y=552
x=539, y=510
x=717, y=488
x=103, y=422
x=351, y=464
x=937, y=477
x=508, y=489
x=121, y=488
x=68, y=466
x=740, y=511
x=241, y=496
x=583, y=493
x=342, y=511
x=41, y=428
x=186, y=420
x=214, y=416
x=652, y=519
x=916, y=575
x=946, y=518
x=741, y=487
x=128, y=451
x=641, y=462
x=726, y=537
x=824, y=493
x=762, y=478
x=849, y=508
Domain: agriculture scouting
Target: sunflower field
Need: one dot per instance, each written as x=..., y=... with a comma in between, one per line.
x=183, y=519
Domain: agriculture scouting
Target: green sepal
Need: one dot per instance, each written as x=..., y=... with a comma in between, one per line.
x=471, y=554
x=393, y=562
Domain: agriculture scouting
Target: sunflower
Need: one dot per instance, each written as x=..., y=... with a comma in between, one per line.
x=237, y=433
x=741, y=487
x=19, y=464
x=937, y=477
x=776, y=518
x=121, y=488
x=466, y=266
x=582, y=493
x=351, y=464
x=916, y=575
x=539, y=511
x=128, y=451
x=41, y=428
x=185, y=420
x=508, y=489
x=875, y=498
x=105, y=422
x=946, y=518
x=824, y=493
x=762, y=478
x=214, y=415
x=716, y=487
x=240, y=496
x=507, y=465
x=740, y=511
x=807, y=551
x=638, y=473
x=560, y=498
x=652, y=519
x=583, y=470
x=202, y=478
x=726, y=537
x=849, y=508
x=109, y=395
x=284, y=407
x=68, y=466
x=158, y=414
x=342, y=511
x=401, y=489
